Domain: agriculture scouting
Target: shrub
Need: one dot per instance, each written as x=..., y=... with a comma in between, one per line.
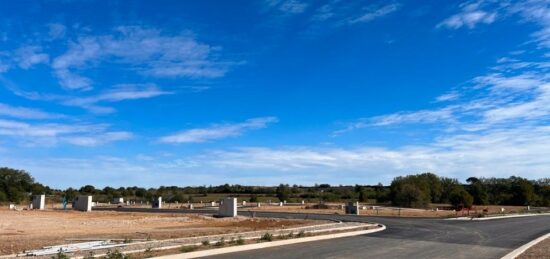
x=221, y=242
x=148, y=252
x=205, y=243
x=116, y=255
x=60, y=255
x=240, y=241
x=267, y=237
x=301, y=234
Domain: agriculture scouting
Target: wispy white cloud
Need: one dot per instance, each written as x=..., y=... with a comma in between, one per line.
x=218, y=131
x=510, y=100
x=117, y=93
x=287, y=6
x=423, y=116
x=28, y=56
x=450, y=96
x=340, y=13
x=56, y=30
x=98, y=139
x=26, y=113
x=471, y=14
x=24, y=57
x=520, y=151
x=79, y=54
x=462, y=155
x=54, y=133
x=374, y=13
x=147, y=51
x=96, y=102
x=536, y=11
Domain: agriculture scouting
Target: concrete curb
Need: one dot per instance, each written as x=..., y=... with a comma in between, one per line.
x=500, y=217
x=524, y=248
x=233, y=249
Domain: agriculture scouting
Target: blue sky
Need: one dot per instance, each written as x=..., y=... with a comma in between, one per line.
x=151, y=93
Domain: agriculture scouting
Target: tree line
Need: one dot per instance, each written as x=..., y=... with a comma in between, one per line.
x=422, y=189
x=417, y=191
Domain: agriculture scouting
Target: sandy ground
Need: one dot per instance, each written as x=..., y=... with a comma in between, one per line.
x=539, y=251
x=25, y=230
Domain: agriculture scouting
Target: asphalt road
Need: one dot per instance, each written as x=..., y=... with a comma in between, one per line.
x=409, y=238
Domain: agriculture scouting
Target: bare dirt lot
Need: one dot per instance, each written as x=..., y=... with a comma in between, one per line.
x=539, y=251
x=25, y=230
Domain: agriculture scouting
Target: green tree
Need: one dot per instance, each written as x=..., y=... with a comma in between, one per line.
x=459, y=197
x=447, y=186
x=283, y=192
x=15, y=184
x=409, y=195
x=478, y=191
x=87, y=189
x=522, y=191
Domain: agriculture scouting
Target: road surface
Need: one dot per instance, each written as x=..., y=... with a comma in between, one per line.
x=409, y=238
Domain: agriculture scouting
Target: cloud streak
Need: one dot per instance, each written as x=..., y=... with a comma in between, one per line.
x=51, y=134
x=217, y=131
x=340, y=13
x=118, y=93
x=26, y=113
